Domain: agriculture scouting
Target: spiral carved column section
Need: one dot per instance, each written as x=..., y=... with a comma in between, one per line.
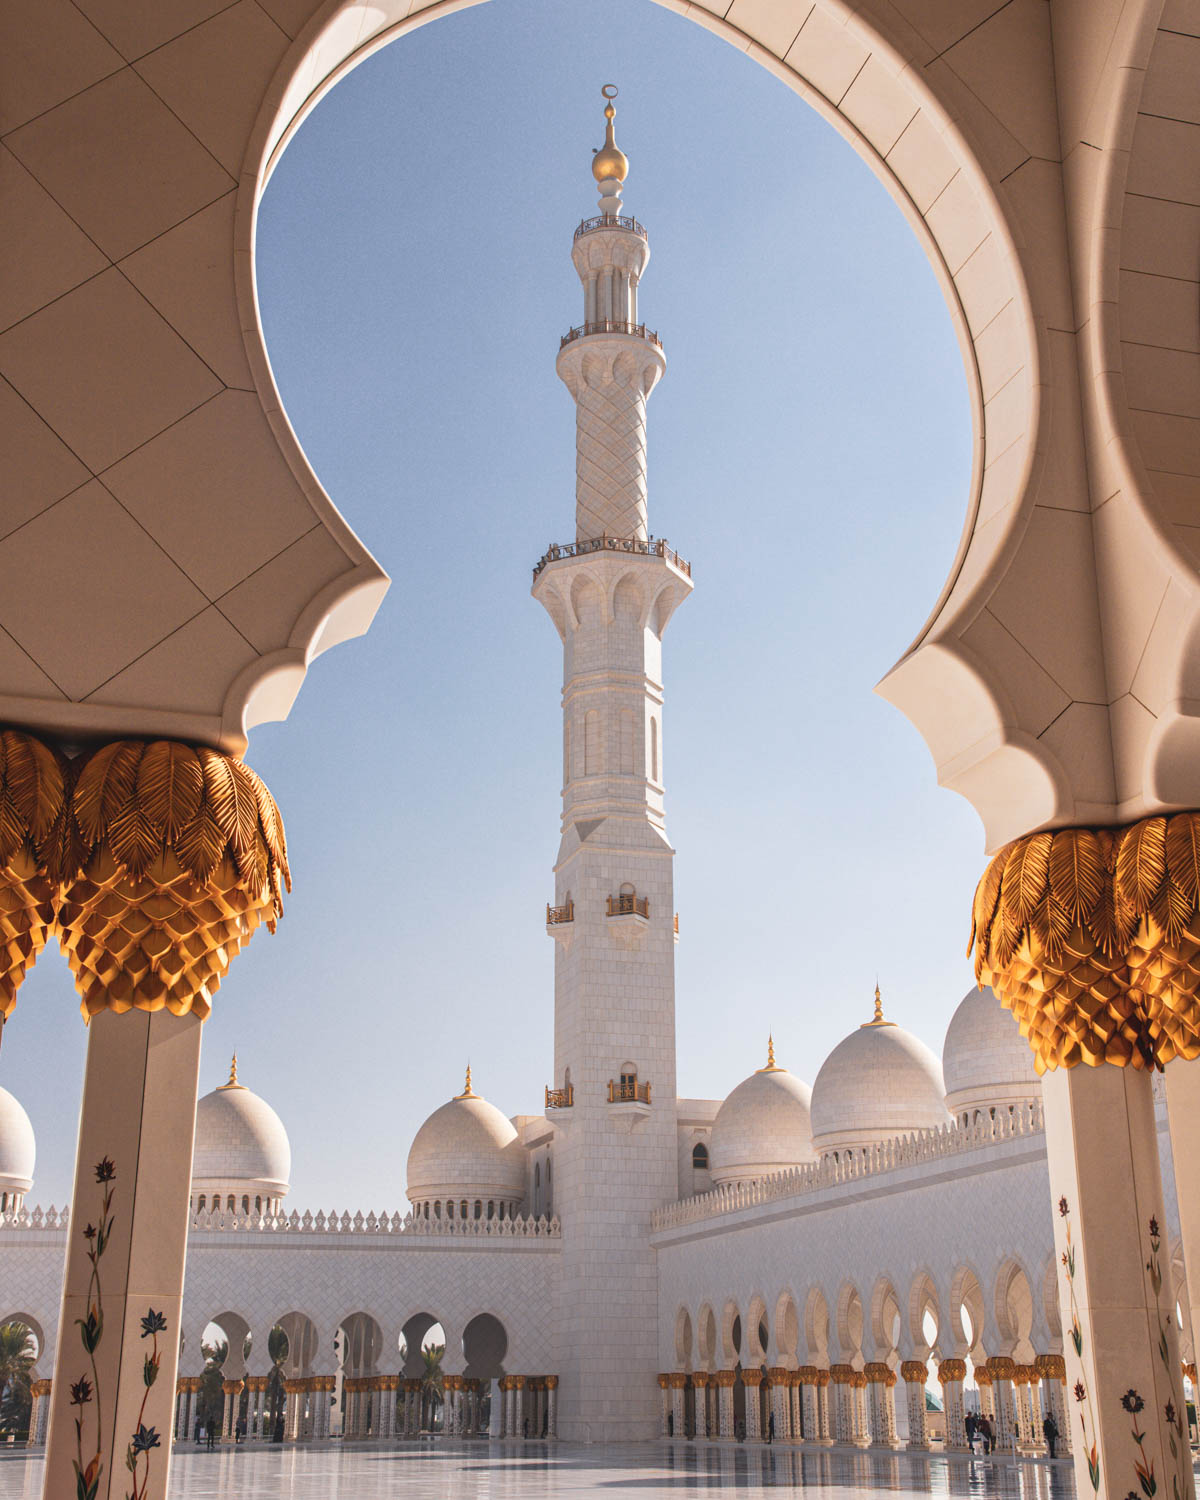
x=1091, y=937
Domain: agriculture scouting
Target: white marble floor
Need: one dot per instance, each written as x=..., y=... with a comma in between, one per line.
x=535, y=1471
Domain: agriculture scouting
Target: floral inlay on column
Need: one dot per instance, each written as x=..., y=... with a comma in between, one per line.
x=91, y=1331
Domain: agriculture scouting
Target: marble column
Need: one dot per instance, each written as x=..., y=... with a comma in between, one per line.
x=795, y=1429
x=810, y=1425
x=1052, y=1371
x=123, y=1287
x=856, y=1392
x=1115, y=1281
x=915, y=1374
x=780, y=1404
x=951, y=1374
x=519, y=1412
x=232, y=1390
x=881, y=1382
x=725, y=1379
x=39, y=1391
x=1029, y=1414
x=552, y=1405
x=1001, y=1369
x=678, y=1382
x=826, y=1418
x=751, y=1380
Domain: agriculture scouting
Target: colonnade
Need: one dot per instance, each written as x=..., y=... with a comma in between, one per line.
x=857, y=1408
x=528, y=1406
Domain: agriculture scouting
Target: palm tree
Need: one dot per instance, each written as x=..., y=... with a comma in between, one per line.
x=17, y=1353
x=432, y=1382
x=277, y=1351
x=210, y=1405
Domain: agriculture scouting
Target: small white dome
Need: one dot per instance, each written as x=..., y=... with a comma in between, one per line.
x=764, y=1126
x=986, y=1060
x=241, y=1146
x=466, y=1149
x=17, y=1147
x=880, y=1082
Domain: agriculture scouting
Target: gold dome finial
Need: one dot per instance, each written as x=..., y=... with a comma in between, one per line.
x=233, y=1078
x=467, y=1092
x=877, y=1018
x=772, y=1066
x=609, y=162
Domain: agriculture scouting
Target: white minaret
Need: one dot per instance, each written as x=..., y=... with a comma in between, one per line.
x=610, y=594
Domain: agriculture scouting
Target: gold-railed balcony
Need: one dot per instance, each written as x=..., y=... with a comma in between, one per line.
x=556, y=915
x=560, y=1098
x=649, y=546
x=629, y=1091
x=629, y=906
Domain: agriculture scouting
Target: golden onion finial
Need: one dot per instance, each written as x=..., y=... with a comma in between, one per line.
x=877, y=1018
x=233, y=1078
x=772, y=1066
x=467, y=1092
x=609, y=162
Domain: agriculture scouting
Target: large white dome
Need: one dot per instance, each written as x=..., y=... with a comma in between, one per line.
x=764, y=1126
x=17, y=1151
x=466, y=1150
x=987, y=1063
x=880, y=1082
x=242, y=1150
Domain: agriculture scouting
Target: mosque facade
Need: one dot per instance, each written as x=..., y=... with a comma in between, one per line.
x=625, y=1263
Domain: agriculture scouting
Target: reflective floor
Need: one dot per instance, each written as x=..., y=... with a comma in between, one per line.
x=520, y=1471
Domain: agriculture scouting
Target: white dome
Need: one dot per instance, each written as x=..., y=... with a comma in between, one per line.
x=241, y=1146
x=986, y=1060
x=17, y=1148
x=764, y=1126
x=880, y=1082
x=466, y=1149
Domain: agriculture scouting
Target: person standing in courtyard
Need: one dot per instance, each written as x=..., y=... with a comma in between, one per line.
x=771, y=1428
x=1050, y=1432
x=970, y=1424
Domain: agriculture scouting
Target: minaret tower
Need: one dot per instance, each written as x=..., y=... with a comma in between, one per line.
x=610, y=594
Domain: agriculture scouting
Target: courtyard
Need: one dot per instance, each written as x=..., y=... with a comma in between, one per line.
x=501, y=1471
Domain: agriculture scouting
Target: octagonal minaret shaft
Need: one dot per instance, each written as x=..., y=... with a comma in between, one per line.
x=611, y=362
x=610, y=593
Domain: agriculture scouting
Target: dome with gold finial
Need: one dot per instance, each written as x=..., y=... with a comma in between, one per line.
x=880, y=1082
x=763, y=1127
x=466, y=1158
x=610, y=164
x=17, y=1152
x=242, y=1158
x=988, y=1064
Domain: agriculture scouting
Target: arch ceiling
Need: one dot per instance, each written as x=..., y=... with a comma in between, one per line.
x=1045, y=155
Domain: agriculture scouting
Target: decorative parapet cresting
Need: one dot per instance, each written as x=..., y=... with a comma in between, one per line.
x=890, y=1156
x=394, y=1225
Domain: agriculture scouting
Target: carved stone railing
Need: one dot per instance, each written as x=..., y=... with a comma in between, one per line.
x=905, y=1151
x=396, y=1225
x=612, y=221
x=610, y=325
x=647, y=546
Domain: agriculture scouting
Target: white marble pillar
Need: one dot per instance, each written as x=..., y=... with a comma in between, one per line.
x=123, y=1287
x=1182, y=1079
x=725, y=1402
x=677, y=1406
x=826, y=1411
x=811, y=1426
x=751, y=1379
x=915, y=1374
x=43, y=1416
x=1001, y=1369
x=1117, y=1302
x=1052, y=1369
x=552, y=1405
x=951, y=1374
x=881, y=1390
x=780, y=1405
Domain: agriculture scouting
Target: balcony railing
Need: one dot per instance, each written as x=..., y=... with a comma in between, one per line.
x=560, y=1098
x=558, y=914
x=610, y=325
x=649, y=546
x=676, y=924
x=632, y=1092
x=629, y=906
x=611, y=221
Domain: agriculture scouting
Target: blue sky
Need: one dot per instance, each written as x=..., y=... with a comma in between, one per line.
x=809, y=452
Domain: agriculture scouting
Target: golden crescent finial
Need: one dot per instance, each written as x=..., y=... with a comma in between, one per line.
x=609, y=163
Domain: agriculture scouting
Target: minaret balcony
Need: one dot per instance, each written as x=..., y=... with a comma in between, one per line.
x=611, y=221
x=560, y=1098
x=629, y=906
x=628, y=1091
x=649, y=546
x=560, y=924
x=610, y=325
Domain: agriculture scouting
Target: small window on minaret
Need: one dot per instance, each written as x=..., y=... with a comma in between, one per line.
x=700, y=1157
